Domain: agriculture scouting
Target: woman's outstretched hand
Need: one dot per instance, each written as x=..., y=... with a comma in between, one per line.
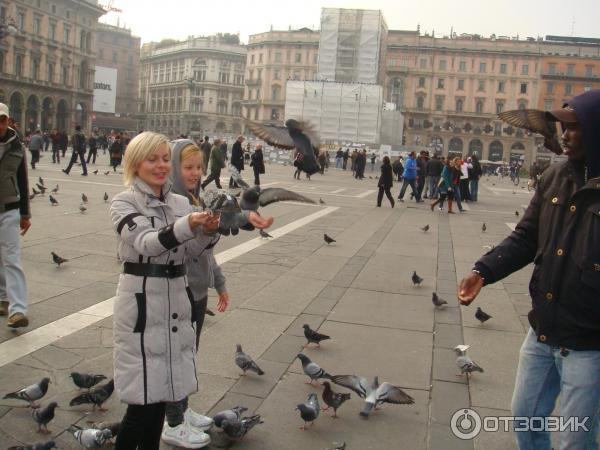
x=258, y=221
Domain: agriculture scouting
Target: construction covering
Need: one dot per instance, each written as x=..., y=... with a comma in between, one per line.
x=340, y=111
x=351, y=47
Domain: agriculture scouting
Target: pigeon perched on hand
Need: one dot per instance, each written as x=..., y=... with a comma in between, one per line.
x=86, y=380
x=481, y=315
x=237, y=429
x=31, y=393
x=313, y=337
x=465, y=363
x=233, y=414
x=437, y=301
x=57, y=259
x=43, y=417
x=245, y=362
x=309, y=411
x=312, y=369
x=37, y=446
x=328, y=239
x=96, y=396
x=264, y=234
x=90, y=438
x=416, y=279
x=53, y=201
x=425, y=228
x=333, y=399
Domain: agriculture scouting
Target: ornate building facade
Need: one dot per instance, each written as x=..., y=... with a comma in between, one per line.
x=194, y=86
x=47, y=66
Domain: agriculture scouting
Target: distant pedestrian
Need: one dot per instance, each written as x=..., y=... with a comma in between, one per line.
x=434, y=172
x=339, y=156
x=46, y=137
x=446, y=189
x=78, y=151
x=475, y=173
x=298, y=164
x=398, y=168
x=456, y=174
x=36, y=145
x=257, y=163
x=385, y=183
x=206, y=148
x=353, y=157
x=373, y=158
x=216, y=164
x=410, y=178
x=64, y=142
x=345, y=159
x=55, y=138
x=93, y=152
x=116, y=152
x=237, y=158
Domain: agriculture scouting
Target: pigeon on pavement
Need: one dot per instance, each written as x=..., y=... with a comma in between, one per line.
x=245, y=362
x=105, y=198
x=96, y=396
x=95, y=172
x=237, y=429
x=264, y=234
x=37, y=446
x=481, y=315
x=43, y=417
x=233, y=414
x=328, y=239
x=31, y=393
x=113, y=427
x=57, y=259
x=82, y=209
x=84, y=198
x=53, y=201
x=465, y=363
x=333, y=399
x=86, y=380
x=309, y=411
x=313, y=337
x=42, y=188
x=425, y=228
x=483, y=227
x=107, y=172
x=321, y=201
x=35, y=192
x=337, y=446
x=32, y=196
x=90, y=438
x=312, y=369
x=517, y=213
x=416, y=279
x=437, y=301
x=55, y=190
x=41, y=181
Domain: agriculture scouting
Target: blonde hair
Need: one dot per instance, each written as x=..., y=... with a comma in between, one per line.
x=139, y=149
x=192, y=150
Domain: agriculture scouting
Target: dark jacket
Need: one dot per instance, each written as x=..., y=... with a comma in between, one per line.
x=434, y=168
x=206, y=148
x=475, y=172
x=14, y=187
x=386, y=180
x=237, y=155
x=79, y=141
x=116, y=149
x=421, y=168
x=257, y=161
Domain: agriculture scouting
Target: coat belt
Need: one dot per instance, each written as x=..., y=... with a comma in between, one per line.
x=154, y=270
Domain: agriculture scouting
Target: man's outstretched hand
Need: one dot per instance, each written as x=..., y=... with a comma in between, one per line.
x=469, y=288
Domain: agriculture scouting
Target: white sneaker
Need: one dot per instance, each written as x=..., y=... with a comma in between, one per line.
x=184, y=436
x=197, y=421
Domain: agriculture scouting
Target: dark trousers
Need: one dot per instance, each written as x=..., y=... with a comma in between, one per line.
x=114, y=162
x=64, y=151
x=464, y=189
x=256, y=175
x=215, y=175
x=77, y=154
x=35, y=157
x=141, y=427
x=345, y=164
x=92, y=153
x=421, y=186
x=388, y=194
x=413, y=185
x=55, y=154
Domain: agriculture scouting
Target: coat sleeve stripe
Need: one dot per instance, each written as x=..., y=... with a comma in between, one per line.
x=166, y=236
x=127, y=220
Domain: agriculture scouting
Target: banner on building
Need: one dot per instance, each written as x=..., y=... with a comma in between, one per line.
x=105, y=89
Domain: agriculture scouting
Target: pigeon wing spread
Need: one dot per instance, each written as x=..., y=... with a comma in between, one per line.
x=536, y=121
x=358, y=384
x=272, y=195
x=274, y=135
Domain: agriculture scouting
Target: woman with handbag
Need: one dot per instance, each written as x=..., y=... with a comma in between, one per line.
x=446, y=189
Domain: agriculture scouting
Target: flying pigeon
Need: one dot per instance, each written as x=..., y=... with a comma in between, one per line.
x=264, y=234
x=245, y=362
x=237, y=429
x=37, y=446
x=437, y=301
x=96, y=396
x=416, y=279
x=233, y=414
x=538, y=122
x=483, y=227
x=313, y=337
x=425, y=228
x=43, y=417
x=294, y=134
x=84, y=198
x=309, y=411
x=464, y=363
x=86, y=380
x=82, y=209
x=53, y=201
x=35, y=192
x=328, y=239
x=311, y=369
x=55, y=190
x=90, y=438
x=57, y=259
x=333, y=399
x=32, y=196
x=31, y=393
x=105, y=198
x=481, y=315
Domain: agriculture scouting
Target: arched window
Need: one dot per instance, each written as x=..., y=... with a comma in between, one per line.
x=455, y=148
x=496, y=151
x=476, y=148
x=479, y=107
x=459, y=105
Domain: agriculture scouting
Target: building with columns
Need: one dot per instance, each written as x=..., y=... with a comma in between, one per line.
x=47, y=66
x=194, y=86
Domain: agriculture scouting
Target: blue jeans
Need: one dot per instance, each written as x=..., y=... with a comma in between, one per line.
x=473, y=189
x=13, y=287
x=338, y=163
x=457, y=199
x=545, y=372
x=433, y=186
x=413, y=186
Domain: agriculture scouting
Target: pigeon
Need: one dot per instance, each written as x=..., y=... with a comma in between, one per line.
x=209, y=313
x=437, y=301
x=264, y=234
x=84, y=198
x=333, y=399
x=464, y=363
x=328, y=239
x=254, y=197
x=82, y=209
x=245, y=362
x=86, y=380
x=90, y=437
x=514, y=192
x=237, y=429
x=55, y=190
x=53, y=201
x=107, y=172
x=31, y=393
x=95, y=172
x=233, y=414
x=42, y=188
x=337, y=446
x=370, y=177
x=294, y=134
x=416, y=279
x=43, y=417
x=309, y=411
x=41, y=181
x=311, y=369
x=113, y=427
x=321, y=201
x=313, y=337
x=517, y=213
x=481, y=315
x=105, y=198
x=57, y=259
x=483, y=227
x=32, y=196
x=96, y=396
x=425, y=228
x=536, y=121
x=37, y=446
x=35, y=192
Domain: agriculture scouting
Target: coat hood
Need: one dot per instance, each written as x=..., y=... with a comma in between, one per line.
x=587, y=108
x=178, y=184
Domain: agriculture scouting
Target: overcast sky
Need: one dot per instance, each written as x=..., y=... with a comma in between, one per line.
x=181, y=18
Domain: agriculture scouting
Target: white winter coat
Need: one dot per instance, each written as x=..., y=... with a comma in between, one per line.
x=154, y=331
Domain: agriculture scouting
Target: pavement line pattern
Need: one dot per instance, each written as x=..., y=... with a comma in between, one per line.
x=45, y=335
x=337, y=191
x=366, y=193
x=511, y=225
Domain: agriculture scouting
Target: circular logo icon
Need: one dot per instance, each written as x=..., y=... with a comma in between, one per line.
x=465, y=424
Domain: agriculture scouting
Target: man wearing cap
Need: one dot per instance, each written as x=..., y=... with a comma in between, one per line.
x=560, y=234
x=14, y=218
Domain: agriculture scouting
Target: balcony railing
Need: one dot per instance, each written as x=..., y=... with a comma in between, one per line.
x=560, y=76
